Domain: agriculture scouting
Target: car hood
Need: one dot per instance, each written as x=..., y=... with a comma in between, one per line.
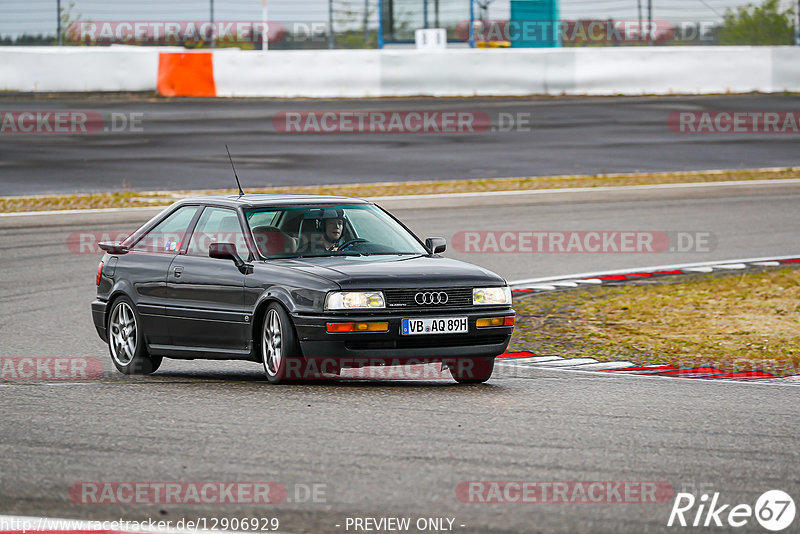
x=375, y=272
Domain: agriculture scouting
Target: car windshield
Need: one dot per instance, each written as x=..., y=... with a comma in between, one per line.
x=315, y=231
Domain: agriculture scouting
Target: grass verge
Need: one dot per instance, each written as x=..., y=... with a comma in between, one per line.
x=130, y=199
x=740, y=321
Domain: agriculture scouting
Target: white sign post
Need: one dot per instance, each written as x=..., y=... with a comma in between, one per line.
x=431, y=39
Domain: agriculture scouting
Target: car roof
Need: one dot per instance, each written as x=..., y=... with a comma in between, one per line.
x=256, y=201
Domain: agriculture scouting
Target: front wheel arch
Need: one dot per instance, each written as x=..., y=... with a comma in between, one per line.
x=286, y=362
x=258, y=320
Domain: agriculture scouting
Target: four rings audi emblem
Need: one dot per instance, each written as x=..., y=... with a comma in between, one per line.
x=431, y=297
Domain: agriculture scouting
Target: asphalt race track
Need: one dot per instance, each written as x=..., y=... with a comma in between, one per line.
x=396, y=449
x=179, y=144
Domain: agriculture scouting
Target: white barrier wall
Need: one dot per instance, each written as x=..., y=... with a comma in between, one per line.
x=37, y=69
x=785, y=68
x=298, y=73
x=454, y=72
x=494, y=72
x=466, y=72
x=682, y=70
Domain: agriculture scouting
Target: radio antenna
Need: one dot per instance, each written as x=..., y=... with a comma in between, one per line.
x=241, y=193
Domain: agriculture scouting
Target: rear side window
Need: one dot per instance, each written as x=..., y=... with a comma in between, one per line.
x=217, y=225
x=167, y=235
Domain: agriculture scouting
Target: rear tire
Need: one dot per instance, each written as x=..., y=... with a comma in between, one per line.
x=280, y=350
x=126, y=340
x=473, y=370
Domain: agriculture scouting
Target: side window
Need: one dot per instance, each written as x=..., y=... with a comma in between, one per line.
x=166, y=236
x=217, y=225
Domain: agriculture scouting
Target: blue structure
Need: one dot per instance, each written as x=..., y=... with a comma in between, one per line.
x=534, y=24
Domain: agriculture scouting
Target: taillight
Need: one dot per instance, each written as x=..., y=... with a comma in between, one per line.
x=99, y=273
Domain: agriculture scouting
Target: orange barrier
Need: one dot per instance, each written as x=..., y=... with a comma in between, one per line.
x=186, y=74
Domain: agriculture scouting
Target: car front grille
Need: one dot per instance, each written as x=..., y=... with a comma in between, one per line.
x=458, y=297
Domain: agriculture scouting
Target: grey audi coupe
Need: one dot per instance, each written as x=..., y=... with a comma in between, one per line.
x=305, y=285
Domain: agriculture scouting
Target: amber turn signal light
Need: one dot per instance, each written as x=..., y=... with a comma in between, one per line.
x=487, y=322
x=338, y=328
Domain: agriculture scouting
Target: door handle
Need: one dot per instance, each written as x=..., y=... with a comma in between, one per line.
x=178, y=271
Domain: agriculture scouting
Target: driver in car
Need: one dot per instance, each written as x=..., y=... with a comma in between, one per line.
x=332, y=234
x=327, y=232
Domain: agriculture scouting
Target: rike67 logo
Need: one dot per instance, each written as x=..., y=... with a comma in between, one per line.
x=774, y=510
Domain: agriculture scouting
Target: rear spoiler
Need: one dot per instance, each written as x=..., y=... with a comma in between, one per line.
x=113, y=247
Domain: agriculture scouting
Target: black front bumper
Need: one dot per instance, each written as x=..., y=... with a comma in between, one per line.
x=316, y=342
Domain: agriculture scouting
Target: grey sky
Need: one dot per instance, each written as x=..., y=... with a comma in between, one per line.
x=38, y=16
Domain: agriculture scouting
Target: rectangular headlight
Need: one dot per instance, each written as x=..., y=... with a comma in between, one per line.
x=491, y=295
x=354, y=300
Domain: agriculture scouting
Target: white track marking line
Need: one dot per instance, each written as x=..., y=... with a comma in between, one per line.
x=679, y=266
x=786, y=382
x=569, y=362
x=767, y=263
x=690, y=185
x=78, y=212
x=567, y=190
x=599, y=366
x=565, y=284
x=731, y=266
x=535, y=360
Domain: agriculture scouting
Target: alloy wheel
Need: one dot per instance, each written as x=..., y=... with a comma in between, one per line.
x=271, y=348
x=123, y=334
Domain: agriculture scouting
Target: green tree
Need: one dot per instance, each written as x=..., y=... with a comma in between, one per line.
x=70, y=26
x=758, y=25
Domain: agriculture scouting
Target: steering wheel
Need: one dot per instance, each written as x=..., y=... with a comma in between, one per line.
x=348, y=244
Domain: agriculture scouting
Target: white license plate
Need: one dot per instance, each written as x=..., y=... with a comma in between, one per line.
x=434, y=325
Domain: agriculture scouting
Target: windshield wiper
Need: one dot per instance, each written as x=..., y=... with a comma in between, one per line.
x=358, y=254
x=327, y=255
x=392, y=254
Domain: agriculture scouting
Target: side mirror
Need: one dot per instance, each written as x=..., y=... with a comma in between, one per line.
x=436, y=244
x=227, y=251
x=113, y=247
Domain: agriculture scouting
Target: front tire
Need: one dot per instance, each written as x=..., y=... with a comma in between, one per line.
x=280, y=350
x=473, y=370
x=126, y=340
